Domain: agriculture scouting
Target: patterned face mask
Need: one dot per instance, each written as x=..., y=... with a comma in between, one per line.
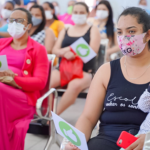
x=131, y=45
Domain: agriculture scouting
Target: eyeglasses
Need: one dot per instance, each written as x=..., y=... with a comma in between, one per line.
x=19, y=20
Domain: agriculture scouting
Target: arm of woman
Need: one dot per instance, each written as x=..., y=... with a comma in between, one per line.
x=95, y=39
x=40, y=73
x=57, y=50
x=49, y=40
x=115, y=48
x=60, y=27
x=95, y=101
x=4, y=34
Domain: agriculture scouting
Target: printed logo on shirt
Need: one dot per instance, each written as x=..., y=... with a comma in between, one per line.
x=131, y=103
x=69, y=133
x=83, y=50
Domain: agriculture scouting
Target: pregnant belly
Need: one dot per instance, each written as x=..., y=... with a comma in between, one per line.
x=16, y=70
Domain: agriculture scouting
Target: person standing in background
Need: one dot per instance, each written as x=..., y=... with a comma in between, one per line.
x=57, y=8
x=143, y=5
x=104, y=22
x=66, y=18
x=51, y=19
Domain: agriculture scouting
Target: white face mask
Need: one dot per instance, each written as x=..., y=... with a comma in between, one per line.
x=16, y=30
x=6, y=13
x=79, y=19
x=102, y=14
x=48, y=14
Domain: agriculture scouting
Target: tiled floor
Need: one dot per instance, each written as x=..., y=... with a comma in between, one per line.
x=70, y=115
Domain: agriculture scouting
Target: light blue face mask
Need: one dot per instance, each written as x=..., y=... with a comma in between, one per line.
x=36, y=21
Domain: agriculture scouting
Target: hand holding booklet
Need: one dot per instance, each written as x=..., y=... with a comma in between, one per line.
x=83, y=50
x=4, y=67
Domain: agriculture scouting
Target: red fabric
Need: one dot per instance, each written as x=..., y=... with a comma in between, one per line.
x=70, y=69
x=36, y=78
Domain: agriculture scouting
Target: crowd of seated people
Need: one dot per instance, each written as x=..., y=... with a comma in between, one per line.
x=29, y=31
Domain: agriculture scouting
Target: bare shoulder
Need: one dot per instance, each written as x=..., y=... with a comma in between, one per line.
x=95, y=31
x=48, y=31
x=103, y=74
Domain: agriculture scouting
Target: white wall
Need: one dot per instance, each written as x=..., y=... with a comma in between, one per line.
x=120, y=5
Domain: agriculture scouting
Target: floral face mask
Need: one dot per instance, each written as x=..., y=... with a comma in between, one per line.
x=131, y=45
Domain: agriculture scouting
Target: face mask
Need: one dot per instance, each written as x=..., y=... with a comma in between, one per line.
x=48, y=14
x=101, y=14
x=36, y=21
x=57, y=10
x=6, y=13
x=79, y=19
x=16, y=30
x=69, y=10
x=131, y=45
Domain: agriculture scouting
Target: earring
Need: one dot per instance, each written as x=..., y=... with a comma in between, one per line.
x=147, y=40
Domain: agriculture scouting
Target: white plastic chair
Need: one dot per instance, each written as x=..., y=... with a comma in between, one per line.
x=42, y=111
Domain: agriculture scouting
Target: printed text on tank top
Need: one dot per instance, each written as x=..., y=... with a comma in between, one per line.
x=112, y=99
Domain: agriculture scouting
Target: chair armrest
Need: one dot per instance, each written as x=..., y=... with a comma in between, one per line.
x=40, y=101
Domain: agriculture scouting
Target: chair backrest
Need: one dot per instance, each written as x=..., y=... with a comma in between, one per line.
x=101, y=53
x=105, y=43
x=45, y=104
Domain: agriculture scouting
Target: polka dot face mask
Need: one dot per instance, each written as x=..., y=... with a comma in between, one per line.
x=131, y=45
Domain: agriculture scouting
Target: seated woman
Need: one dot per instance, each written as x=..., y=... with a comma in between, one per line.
x=104, y=22
x=28, y=65
x=52, y=21
x=5, y=13
x=116, y=88
x=62, y=49
x=38, y=32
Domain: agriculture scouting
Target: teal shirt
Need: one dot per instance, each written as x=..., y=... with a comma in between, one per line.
x=4, y=28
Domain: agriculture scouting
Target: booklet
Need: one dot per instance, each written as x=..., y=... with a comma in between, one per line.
x=3, y=63
x=83, y=50
x=69, y=132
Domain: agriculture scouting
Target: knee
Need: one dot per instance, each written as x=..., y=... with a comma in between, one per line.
x=75, y=87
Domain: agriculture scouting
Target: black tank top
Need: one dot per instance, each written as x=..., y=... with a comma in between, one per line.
x=121, y=101
x=68, y=40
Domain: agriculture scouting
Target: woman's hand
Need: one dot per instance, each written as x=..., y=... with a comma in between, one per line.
x=7, y=73
x=70, y=146
x=69, y=55
x=138, y=144
x=64, y=51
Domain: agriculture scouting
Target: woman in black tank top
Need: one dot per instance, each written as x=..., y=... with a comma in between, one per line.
x=117, y=86
x=62, y=49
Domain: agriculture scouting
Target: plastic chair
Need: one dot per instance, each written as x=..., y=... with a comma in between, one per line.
x=42, y=112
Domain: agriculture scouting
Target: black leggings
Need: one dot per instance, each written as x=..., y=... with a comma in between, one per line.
x=97, y=143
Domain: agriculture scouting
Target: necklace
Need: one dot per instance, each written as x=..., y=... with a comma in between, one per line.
x=128, y=74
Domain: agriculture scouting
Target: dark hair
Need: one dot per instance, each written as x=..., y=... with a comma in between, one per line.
x=34, y=2
x=52, y=7
x=83, y=4
x=29, y=16
x=17, y=2
x=141, y=15
x=11, y=2
x=42, y=25
x=109, y=24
